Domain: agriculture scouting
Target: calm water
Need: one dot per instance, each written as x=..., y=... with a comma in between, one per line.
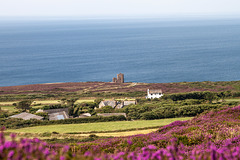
x=144, y=50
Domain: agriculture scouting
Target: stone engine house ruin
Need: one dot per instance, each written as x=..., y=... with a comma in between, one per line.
x=119, y=79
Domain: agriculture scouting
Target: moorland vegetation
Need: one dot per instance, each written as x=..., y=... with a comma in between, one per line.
x=212, y=135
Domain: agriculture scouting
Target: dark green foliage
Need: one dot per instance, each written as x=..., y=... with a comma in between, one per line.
x=171, y=112
x=154, y=109
x=107, y=109
x=5, y=114
x=98, y=100
x=183, y=96
x=91, y=137
x=43, y=114
x=86, y=107
x=54, y=106
x=24, y=105
x=206, y=95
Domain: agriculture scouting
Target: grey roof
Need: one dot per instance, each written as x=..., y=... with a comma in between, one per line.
x=26, y=116
x=107, y=103
x=125, y=103
x=120, y=105
x=40, y=111
x=154, y=91
x=111, y=114
x=84, y=115
x=50, y=111
x=58, y=116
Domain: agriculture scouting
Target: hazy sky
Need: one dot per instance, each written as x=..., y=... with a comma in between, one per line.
x=111, y=8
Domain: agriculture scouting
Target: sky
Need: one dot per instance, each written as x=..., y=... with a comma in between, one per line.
x=117, y=8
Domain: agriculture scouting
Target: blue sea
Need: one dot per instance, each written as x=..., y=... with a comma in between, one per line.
x=147, y=50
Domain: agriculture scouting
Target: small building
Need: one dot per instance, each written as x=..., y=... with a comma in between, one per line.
x=40, y=111
x=111, y=114
x=84, y=115
x=154, y=93
x=57, y=114
x=124, y=103
x=49, y=111
x=108, y=103
x=115, y=104
x=27, y=116
x=119, y=105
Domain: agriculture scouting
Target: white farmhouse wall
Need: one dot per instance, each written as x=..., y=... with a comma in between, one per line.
x=153, y=95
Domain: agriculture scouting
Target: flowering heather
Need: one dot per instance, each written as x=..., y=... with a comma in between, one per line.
x=214, y=135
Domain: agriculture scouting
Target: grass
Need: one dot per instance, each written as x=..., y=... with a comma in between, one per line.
x=230, y=100
x=84, y=100
x=7, y=103
x=98, y=127
x=45, y=102
x=9, y=108
x=128, y=133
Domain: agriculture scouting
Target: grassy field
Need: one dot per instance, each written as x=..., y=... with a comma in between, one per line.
x=84, y=100
x=98, y=127
x=120, y=134
x=8, y=108
x=7, y=103
x=233, y=100
x=45, y=102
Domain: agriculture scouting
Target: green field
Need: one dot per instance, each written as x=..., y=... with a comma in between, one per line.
x=45, y=102
x=98, y=127
x=7, y=103
x=84, y=100
x=8, y=108
x=233, y=100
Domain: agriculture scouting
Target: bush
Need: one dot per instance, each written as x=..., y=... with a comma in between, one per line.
x=54, y=106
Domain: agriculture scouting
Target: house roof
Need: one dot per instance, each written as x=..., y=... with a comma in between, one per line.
x=125, y=103
x=50, y=111
x=26, y=116
x=109, y=103
x=40, y=111
x=58, y=115
x=111, y=114
x=84, y=115
x=154, y=91
x=120, y=105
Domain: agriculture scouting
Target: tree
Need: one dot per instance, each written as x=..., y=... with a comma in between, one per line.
x=98, y=100
x=210, y=97
x=107, y=109
x=63, y=100
x=24, y=105
x=70, y=102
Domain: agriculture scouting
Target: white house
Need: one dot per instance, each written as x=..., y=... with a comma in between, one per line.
x=154, y=93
